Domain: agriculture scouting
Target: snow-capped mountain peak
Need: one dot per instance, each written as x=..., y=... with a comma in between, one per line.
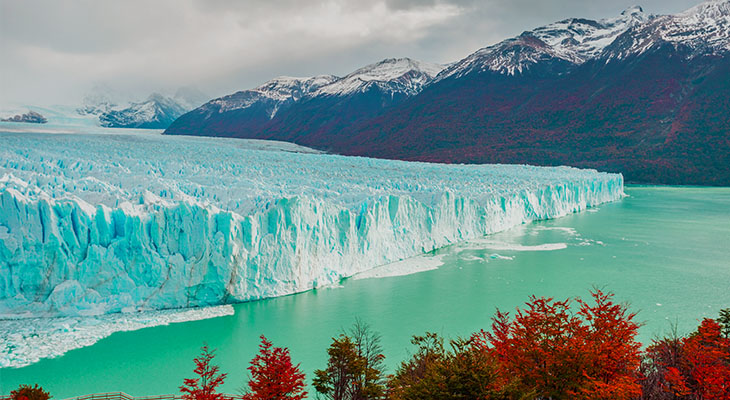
x=392, y=74
x=636, y=11
x=704, y=28
x=573, y=40
x=578, y=40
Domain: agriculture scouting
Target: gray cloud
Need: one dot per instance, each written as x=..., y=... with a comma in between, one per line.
x=54, y=52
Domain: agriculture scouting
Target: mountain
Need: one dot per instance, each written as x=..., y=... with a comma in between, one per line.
x=640, y=94
x=29, y=117
x=565, y=43
x=156, y=112
x=310, y=104
x=392, y=77
x=247, y=110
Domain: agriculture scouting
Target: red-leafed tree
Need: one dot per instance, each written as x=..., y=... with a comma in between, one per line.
x=273, y=376
x=548, y=351
x=694, y=367
x=27, y=392
x=707, y=362
x=612, y=351
x=209, y=378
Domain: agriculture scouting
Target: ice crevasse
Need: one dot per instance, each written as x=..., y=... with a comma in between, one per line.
x=99, y=223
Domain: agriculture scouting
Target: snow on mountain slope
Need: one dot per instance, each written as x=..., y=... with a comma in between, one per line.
x=392, y=75
x=702, y=29
x=573, y=40
x=94, y=224
x=272, y=94
x=284, y=107
x=156, y=112
x=401, y=75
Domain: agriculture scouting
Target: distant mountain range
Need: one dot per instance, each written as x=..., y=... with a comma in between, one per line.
x=31, y=117
x=156, y=112
x=641, y=94
x=296, y=107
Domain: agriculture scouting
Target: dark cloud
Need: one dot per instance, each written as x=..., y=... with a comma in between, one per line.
x=56, y=51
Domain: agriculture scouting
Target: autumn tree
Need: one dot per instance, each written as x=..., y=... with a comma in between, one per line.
x=209, y=378
x=690, y=368
x=550, y=350
x=707, y=362
x=27, y=392
x=659, y=359
x=540, y=350
x=612, y=351
x=273, y=376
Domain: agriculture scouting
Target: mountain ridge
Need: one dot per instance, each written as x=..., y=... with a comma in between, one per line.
x=620, y=94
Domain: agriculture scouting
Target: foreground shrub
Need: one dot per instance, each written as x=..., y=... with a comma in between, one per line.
x=465, y=371
x=27, y=392
x=354, y=368
x=273, y=376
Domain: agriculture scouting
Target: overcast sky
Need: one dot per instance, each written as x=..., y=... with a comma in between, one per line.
x=55, y=52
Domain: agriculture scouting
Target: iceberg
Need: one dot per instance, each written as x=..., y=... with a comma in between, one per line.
x=99, y=223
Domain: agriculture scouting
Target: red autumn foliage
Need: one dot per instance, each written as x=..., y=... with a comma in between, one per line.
x=707, y=358
x=554, y=353
x=273, y=376
x=694, y=367
x=209, y=378
x=613, y=353
x=27, y=392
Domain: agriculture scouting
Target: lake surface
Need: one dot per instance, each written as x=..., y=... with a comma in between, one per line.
x=665, y=250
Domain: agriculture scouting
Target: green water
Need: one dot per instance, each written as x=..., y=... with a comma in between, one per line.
x=665, y=250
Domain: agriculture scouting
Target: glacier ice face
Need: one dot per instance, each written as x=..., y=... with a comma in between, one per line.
x=102, y=223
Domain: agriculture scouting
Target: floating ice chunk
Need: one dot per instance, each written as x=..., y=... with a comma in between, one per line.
x=404, y=267
x=501, y=257
x=491, y=244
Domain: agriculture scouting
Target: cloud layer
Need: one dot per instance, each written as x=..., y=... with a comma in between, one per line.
x=55, y=52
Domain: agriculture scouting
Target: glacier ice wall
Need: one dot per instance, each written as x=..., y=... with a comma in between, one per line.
x=101, y=223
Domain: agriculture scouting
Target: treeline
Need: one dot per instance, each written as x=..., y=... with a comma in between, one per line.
x=549, y=349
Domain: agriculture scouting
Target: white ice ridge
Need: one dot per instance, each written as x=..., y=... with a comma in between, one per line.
x=102, y=223
x=24, y=342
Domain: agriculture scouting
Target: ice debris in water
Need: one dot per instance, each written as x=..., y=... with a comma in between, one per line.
x=26, y=341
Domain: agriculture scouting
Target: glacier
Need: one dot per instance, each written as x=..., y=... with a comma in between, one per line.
x=104, y=222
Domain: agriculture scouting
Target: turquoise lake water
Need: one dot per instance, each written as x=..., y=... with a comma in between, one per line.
x=665, y=250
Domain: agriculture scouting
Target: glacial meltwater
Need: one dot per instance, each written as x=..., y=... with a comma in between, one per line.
x=664, y=250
